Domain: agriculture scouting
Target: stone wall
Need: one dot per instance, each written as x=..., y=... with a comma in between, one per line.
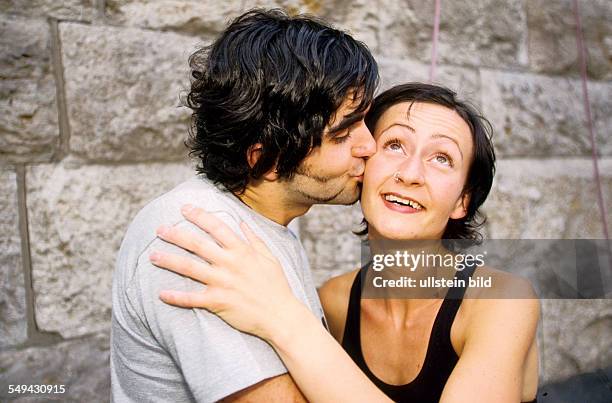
x=91, y=129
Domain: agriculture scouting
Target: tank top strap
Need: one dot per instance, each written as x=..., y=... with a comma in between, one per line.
x=450, y=306
x=350, y=338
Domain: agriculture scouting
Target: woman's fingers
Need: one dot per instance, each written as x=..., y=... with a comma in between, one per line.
x=183, y=265
x=220, y=231
x=254, y=240
x=193, y=242
x=186, y=299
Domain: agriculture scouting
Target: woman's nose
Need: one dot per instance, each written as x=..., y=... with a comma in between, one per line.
x=412, y=171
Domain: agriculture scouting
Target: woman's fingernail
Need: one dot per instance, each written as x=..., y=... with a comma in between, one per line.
x=154, y=257
x=162, y=230
x=187, y=208
x=165, y=294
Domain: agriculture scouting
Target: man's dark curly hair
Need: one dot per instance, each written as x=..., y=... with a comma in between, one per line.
x=272, y=79
x=482, y=167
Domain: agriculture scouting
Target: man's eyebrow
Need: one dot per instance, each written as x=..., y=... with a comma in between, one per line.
x=435, y=135
x=348, y=121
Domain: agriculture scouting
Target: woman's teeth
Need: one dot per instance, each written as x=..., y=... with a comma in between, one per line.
x=403, y=202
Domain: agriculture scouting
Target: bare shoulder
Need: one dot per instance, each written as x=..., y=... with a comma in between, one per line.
x=498, y=332
x=505, y=296
x=497, y=284
x=334, y=295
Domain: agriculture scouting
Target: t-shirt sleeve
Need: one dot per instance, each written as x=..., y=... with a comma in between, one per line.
x=215, y=359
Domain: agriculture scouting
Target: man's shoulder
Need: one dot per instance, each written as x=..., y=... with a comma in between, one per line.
x=166, y=209
x=163, y=210
x=194, y=191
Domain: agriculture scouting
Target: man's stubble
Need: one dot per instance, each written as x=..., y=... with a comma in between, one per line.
x=315, y=188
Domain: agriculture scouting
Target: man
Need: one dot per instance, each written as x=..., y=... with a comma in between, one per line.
x=278, y=105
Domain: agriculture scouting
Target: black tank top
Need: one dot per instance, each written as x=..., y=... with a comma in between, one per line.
x=440, y=358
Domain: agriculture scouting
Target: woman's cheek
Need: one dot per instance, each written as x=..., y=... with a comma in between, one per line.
x=448, y=191
x=374, y=173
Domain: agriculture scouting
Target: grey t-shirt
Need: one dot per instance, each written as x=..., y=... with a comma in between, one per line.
x=160, y=353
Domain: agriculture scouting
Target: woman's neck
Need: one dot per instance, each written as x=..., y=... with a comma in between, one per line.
x=420, y=267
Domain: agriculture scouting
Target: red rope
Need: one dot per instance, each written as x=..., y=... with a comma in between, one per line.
x=434, y=42
x=587, y=112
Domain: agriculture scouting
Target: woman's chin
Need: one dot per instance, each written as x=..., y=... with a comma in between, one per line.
x=398, y=231
x=394, y=232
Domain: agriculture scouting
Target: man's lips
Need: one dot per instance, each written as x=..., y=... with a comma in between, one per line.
x=357, y=171
x=358, y=175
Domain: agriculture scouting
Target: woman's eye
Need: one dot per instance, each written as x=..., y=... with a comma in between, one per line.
x=444, y=159
x=393, y=145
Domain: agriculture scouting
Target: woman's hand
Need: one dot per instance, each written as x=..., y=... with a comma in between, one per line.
x=247, y=288
x=246, y=285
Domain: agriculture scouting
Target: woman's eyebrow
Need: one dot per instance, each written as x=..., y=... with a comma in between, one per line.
x=397, y=124
x=440, y=135
x=435, y=135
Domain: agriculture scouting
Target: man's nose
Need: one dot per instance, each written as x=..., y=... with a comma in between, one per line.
x=365, y=146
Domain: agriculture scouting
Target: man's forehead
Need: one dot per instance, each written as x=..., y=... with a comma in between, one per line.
x=345, y=121
x=352, y=105
x=353, y=99
x=350, y=111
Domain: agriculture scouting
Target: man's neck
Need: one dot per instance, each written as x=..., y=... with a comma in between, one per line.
x=271, y=200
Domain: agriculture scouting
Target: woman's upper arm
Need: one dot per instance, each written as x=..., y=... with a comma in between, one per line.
x=499, y=336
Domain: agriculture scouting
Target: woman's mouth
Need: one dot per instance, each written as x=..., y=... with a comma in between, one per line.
x=401, y=204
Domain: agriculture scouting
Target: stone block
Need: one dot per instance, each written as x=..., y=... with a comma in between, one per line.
x=77, y=219
x=81, y=10
x=122, y=90
x=552, y=37
x=547, y=199
x=13, y=320
x=576, y=337
x=487, y=33
x=195, y=17
x=544, y=116
x=29, y=128
x=187, y=16
x=464, y=81
x=80, y=365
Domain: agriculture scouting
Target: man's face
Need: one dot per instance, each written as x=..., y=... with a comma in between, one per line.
x=333, y=172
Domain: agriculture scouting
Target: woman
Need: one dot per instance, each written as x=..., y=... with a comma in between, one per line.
x=432, y=170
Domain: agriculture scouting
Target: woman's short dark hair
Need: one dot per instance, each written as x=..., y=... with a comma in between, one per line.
x=273, y=79
x=482, y=167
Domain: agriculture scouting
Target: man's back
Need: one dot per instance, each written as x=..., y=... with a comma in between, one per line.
x=164, y=353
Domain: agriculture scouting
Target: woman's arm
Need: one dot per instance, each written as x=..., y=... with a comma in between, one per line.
x=500, y=336
x=320, y=367
x=246, y=287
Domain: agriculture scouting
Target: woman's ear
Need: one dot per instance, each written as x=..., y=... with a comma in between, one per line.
x=461, y=207
x=253, y=155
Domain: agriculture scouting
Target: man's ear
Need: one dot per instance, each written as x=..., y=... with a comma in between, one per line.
x=253, y=155
x=461, y=207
